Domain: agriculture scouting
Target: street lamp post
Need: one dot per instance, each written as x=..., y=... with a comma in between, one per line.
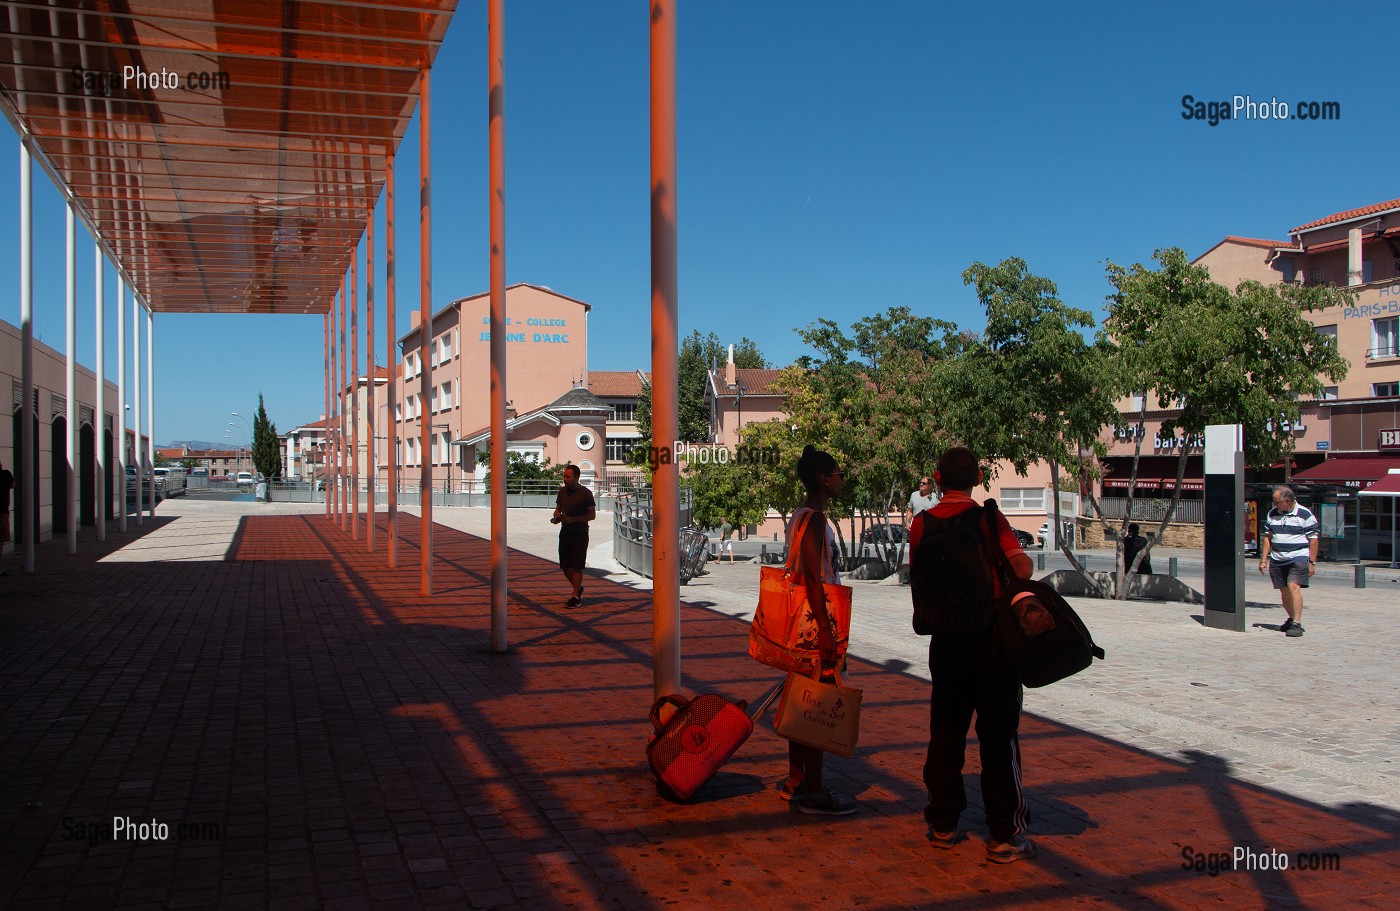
x=247, y=424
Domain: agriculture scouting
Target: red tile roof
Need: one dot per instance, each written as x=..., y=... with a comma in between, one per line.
x=1349, y=214
x=753, y=380
x=604, y=383
x=1257, y=242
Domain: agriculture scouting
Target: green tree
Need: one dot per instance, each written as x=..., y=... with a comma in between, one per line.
x=267, y=456
x=697, y=354
x=1213, y=356
x=876, y=399
x=1032, y=388
x=521, y=469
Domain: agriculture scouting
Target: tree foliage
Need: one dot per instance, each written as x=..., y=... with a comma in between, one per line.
x=267, y=455
x=1209, y=355
x=521, y=468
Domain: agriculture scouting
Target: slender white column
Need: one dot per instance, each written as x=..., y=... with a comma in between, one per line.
x=101, y=496
x=119, y=444
x=28, y=496
x=136, y=403
x=70, y=507
x=151, y=399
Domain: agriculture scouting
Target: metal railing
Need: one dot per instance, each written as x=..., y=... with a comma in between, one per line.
x=632, y=528
x=1188, y=512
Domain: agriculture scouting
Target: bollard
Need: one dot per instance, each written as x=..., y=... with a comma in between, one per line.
x=1040, y=562
x=1171, y=567
x=1360, y=575
x=763, y=554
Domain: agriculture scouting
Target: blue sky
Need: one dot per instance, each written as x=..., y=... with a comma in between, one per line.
x=835, y=159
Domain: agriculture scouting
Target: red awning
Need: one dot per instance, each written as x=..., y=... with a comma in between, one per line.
x=1387, y=486
x=1186, y=484
x=1340, y=470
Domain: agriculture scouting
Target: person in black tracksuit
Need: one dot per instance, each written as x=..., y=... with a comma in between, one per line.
x=970, y=677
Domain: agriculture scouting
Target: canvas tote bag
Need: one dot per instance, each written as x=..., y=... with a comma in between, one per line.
x=784, y=632
x=819, y=714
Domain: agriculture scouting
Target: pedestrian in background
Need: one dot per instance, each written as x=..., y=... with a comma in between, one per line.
x=574, y=508
x=1288, y=547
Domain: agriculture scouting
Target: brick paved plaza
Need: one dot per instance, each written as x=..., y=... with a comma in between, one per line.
x=317, y=735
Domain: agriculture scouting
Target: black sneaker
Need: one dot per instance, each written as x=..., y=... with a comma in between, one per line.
x=573, y=602
x=945, y=840
x=1286, y=625
x=1006, y=852
x=1295, y=631
x=824, y=803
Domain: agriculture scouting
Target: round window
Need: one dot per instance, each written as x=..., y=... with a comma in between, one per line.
x=585, y=441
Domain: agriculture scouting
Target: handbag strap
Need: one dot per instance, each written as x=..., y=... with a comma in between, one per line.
x=675, y=699
x=795, y=550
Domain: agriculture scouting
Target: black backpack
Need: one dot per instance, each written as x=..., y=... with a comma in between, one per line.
x=951, y=576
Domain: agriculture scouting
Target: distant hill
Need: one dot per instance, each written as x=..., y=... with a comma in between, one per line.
x=192, y=444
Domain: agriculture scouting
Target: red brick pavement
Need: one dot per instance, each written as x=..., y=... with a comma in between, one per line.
x=329, y=738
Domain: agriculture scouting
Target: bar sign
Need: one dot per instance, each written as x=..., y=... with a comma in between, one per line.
x=1390, y=440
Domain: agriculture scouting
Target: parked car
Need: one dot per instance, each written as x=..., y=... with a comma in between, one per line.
x=884, y=533
x=171, y=482
x=245, y=477
x=1042, y=535
x=1024, y=538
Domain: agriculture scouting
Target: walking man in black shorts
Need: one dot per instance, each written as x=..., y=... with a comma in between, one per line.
x=574, y=508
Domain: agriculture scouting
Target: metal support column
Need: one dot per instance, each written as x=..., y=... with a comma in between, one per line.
x=28, y=536
x=101, y=494
x=70, y=300
x=136, y=455
x=425, y=330
x=496, y=128
x=342, y=459
x=665, y=414
x=151, y=403
x=391, y=360
x=355, y=405
x=119, y=444
x=325, y=418
x=371, y=444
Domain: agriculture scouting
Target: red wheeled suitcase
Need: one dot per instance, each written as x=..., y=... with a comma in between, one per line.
x=690, y=747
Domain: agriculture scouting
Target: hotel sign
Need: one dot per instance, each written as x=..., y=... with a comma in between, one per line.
x=1390, y=440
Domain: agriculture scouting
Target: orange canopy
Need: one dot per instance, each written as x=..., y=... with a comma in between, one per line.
x=228, y=153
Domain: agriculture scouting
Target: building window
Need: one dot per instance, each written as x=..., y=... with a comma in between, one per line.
x=1317, y=277
x=1385, y=337
x=1381, y=389
x=1329, y=393
x=1329, y=332
x=585, y=440
x=1366, y=271
x=619, y=448
x=446, y=400
x=627, y=412
x=1284, y=264
x=1022, y=498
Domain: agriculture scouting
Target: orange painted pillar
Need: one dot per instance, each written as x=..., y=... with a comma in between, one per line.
x=425, y=330
x=354, y=397
x=665, y=413
x=326, y=423
x=371, y=448
x=496, y=106
x=391, y=360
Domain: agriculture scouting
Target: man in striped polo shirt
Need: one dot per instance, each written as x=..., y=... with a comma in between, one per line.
x=1289, y=549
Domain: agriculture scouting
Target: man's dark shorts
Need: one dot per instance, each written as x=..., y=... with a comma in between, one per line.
x=573, y=549
x=1295, y=571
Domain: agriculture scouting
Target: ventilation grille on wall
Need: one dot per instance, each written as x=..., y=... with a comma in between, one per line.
x=58, y=405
